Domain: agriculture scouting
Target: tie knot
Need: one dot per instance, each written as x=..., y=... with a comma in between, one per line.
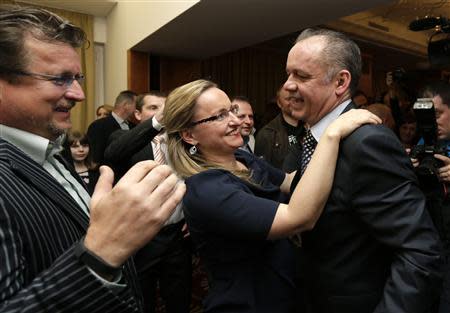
x=159, y=139
x=158, y=150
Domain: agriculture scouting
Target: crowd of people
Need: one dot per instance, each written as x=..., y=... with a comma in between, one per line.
x=318, y=211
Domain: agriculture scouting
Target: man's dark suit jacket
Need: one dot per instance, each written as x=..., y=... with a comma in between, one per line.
x=39, y=226
x=126, y=148
x=374, y=248
x=98, y=134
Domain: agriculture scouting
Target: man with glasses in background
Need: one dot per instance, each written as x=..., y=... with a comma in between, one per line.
x=60, y=251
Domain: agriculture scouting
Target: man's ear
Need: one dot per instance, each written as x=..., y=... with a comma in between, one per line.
x=188, y=137
x=137, y=115
x=279, y=104
x=343, y=80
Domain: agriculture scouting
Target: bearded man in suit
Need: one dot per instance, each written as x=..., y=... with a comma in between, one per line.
x=374, y=248
x=61, y=251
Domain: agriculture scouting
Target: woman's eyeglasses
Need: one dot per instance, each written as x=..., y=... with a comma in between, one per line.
x=234, y=109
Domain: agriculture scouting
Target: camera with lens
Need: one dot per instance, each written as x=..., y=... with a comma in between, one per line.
x=427, y=128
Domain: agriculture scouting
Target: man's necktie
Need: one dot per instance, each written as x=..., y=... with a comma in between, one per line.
x=158, y=153
x=125, y=125
x=309, y=144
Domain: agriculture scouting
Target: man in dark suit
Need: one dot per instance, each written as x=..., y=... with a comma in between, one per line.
x=374, y=248
x=54, y=258
x=100, y=130
x=126, y=148
x=166, y=260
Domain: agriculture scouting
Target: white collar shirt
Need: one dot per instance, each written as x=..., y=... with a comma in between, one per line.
x=42, y=151
x=319, y=128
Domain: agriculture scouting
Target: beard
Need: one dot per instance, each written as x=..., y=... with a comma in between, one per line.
x=56, y=131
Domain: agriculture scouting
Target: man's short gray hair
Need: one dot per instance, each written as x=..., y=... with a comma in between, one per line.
x=339, y=53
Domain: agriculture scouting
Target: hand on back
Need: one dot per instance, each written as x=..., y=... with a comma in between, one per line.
x=347, y=122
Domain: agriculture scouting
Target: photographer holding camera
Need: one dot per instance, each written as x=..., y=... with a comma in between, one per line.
x=431, y=157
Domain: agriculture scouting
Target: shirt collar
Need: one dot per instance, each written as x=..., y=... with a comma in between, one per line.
x=318, y=129
x=36, y=147
x=117, y=118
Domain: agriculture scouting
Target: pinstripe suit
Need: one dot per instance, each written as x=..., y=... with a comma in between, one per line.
x=39, y=225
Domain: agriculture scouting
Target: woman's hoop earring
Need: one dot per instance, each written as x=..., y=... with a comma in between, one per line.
x=193, y=150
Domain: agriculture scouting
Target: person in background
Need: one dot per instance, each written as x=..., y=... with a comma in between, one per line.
x=166, y=260
x=77, y=152
x=275, y=139
x=247, y=117
x=232, y=203
x=100, y=130
x=125, y=148
x=103, y=111
x=360, y=99
x=435, y=183
x=384, y=112
x=407, y=131
x=398, y=96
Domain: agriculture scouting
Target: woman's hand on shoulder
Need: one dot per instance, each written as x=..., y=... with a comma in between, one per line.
x=347, y=122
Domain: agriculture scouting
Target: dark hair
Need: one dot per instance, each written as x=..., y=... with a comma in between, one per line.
x=140, y=98
x=73, y=137
x=125, y=96
x=339, y=53
x=438, y=88
x=408, y=118
x=17, y=23
x=241, y=98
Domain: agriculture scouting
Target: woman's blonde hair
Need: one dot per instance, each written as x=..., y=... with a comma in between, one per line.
x=178, y=112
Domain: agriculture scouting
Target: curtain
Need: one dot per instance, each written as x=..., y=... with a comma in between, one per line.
x=255, y=72
x=83, y=113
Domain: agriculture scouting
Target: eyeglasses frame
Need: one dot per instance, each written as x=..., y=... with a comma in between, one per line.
x=58, y=80
x=212, y=118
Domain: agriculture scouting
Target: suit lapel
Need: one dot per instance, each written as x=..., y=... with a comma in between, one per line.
x=298, y=175
x=350, y=106
x=42, y=180
x=71, y=169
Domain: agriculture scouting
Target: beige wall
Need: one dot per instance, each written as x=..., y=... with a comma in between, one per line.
x=127, y=24
x=100, y=34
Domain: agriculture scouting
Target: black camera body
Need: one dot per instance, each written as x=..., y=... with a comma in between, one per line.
x=427, y=128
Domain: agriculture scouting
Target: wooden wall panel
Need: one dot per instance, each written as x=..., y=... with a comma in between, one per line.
x=177, y=72
x=138, y=71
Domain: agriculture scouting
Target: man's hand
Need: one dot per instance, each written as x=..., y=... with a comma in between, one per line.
x=444, y=171
x=415, y=162
x=126, y=217
x=159, y=115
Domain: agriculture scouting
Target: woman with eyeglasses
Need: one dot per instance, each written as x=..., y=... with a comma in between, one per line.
x=232, y=205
